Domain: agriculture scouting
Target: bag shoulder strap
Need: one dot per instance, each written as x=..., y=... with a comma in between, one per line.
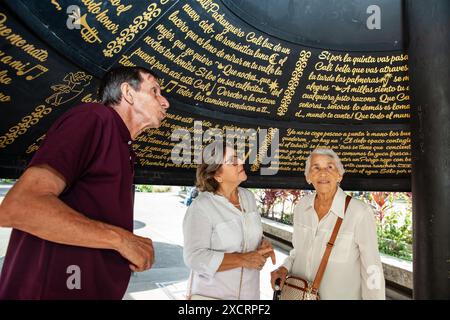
x=189, y=286
x=326, y=254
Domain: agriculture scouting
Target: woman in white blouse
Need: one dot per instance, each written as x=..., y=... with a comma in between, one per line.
x=223, y=243
x=354, y=269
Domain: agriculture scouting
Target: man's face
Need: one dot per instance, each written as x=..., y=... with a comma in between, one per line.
x=149, y=105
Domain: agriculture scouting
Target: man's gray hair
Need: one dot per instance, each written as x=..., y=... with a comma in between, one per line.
x=325, y=152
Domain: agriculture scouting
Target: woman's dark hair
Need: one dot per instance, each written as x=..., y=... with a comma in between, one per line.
x=109, y=92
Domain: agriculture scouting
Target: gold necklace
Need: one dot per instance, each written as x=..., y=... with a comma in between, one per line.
x=229, y=200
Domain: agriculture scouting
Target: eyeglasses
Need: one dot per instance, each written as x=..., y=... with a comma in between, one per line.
x=235, y=161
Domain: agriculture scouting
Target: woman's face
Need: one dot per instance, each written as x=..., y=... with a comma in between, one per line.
x=323, y=174
x=232, y=170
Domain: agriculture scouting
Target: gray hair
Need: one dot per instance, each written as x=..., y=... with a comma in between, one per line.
x=109, y=91
x=325, y=152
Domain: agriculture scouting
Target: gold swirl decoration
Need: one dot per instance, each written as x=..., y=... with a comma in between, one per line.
x=300, y=65
x=263, y=149
x=128, y=34
x=23, y=126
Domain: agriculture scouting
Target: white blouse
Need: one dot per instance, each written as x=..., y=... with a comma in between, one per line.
x=354, y=269
x=213, y=226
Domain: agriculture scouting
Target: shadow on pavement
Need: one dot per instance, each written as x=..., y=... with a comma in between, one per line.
x=138, y=224
x=169, y=267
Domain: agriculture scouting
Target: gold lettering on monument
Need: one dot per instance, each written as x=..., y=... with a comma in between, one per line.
x=56, y=4
x=4, y=78
x=35, y=145
x=100, y=16
x=4, y=97
x=356, y=87
x=361, y=152
x=18, y=41
x=22, y=68
x=89, y=99
x=120, y=8
x=238, y=84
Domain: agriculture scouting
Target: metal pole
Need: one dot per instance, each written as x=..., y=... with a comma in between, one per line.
x=428, y=25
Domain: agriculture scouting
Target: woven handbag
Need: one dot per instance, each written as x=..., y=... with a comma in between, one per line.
x=297, y=288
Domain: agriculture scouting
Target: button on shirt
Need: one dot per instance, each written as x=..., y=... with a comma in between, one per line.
x=213, y=226
x=354, y=269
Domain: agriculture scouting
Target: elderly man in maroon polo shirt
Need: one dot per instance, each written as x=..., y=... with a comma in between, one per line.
x=72, y=209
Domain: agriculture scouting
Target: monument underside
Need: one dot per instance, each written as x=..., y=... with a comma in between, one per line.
x=320, y=73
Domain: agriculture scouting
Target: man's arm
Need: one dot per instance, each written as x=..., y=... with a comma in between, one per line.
x=32, y=205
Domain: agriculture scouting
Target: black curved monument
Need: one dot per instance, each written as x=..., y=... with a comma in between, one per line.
x=310, y=73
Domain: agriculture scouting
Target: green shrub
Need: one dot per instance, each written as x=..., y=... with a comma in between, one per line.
x=162, y=189
x=7, y=181
x=395, y=234
x=287, y=219
x=144, y=188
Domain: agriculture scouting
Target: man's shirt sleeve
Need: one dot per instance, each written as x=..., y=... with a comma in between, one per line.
x=71, y=145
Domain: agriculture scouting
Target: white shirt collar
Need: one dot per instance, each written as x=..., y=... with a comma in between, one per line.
x=218, y=197
x=338, y=205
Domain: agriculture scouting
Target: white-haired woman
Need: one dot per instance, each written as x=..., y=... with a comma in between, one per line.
x=223, y=240
x=354, y=269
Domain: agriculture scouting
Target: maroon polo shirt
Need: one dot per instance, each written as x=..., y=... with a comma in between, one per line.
x=90, y=146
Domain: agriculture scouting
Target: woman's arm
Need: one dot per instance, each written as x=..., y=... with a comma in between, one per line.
x=288, y=262
x=372, y=277
x=197, y=231
x=250, y=260
x=286, y=266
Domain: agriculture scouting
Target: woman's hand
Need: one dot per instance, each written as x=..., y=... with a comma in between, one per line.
x=267, y=244
x=280, y=273
x=255, y=259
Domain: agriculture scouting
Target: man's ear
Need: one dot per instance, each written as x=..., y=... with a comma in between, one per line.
x=125, y=88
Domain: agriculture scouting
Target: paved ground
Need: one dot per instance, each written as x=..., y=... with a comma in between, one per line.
x=159, y=216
